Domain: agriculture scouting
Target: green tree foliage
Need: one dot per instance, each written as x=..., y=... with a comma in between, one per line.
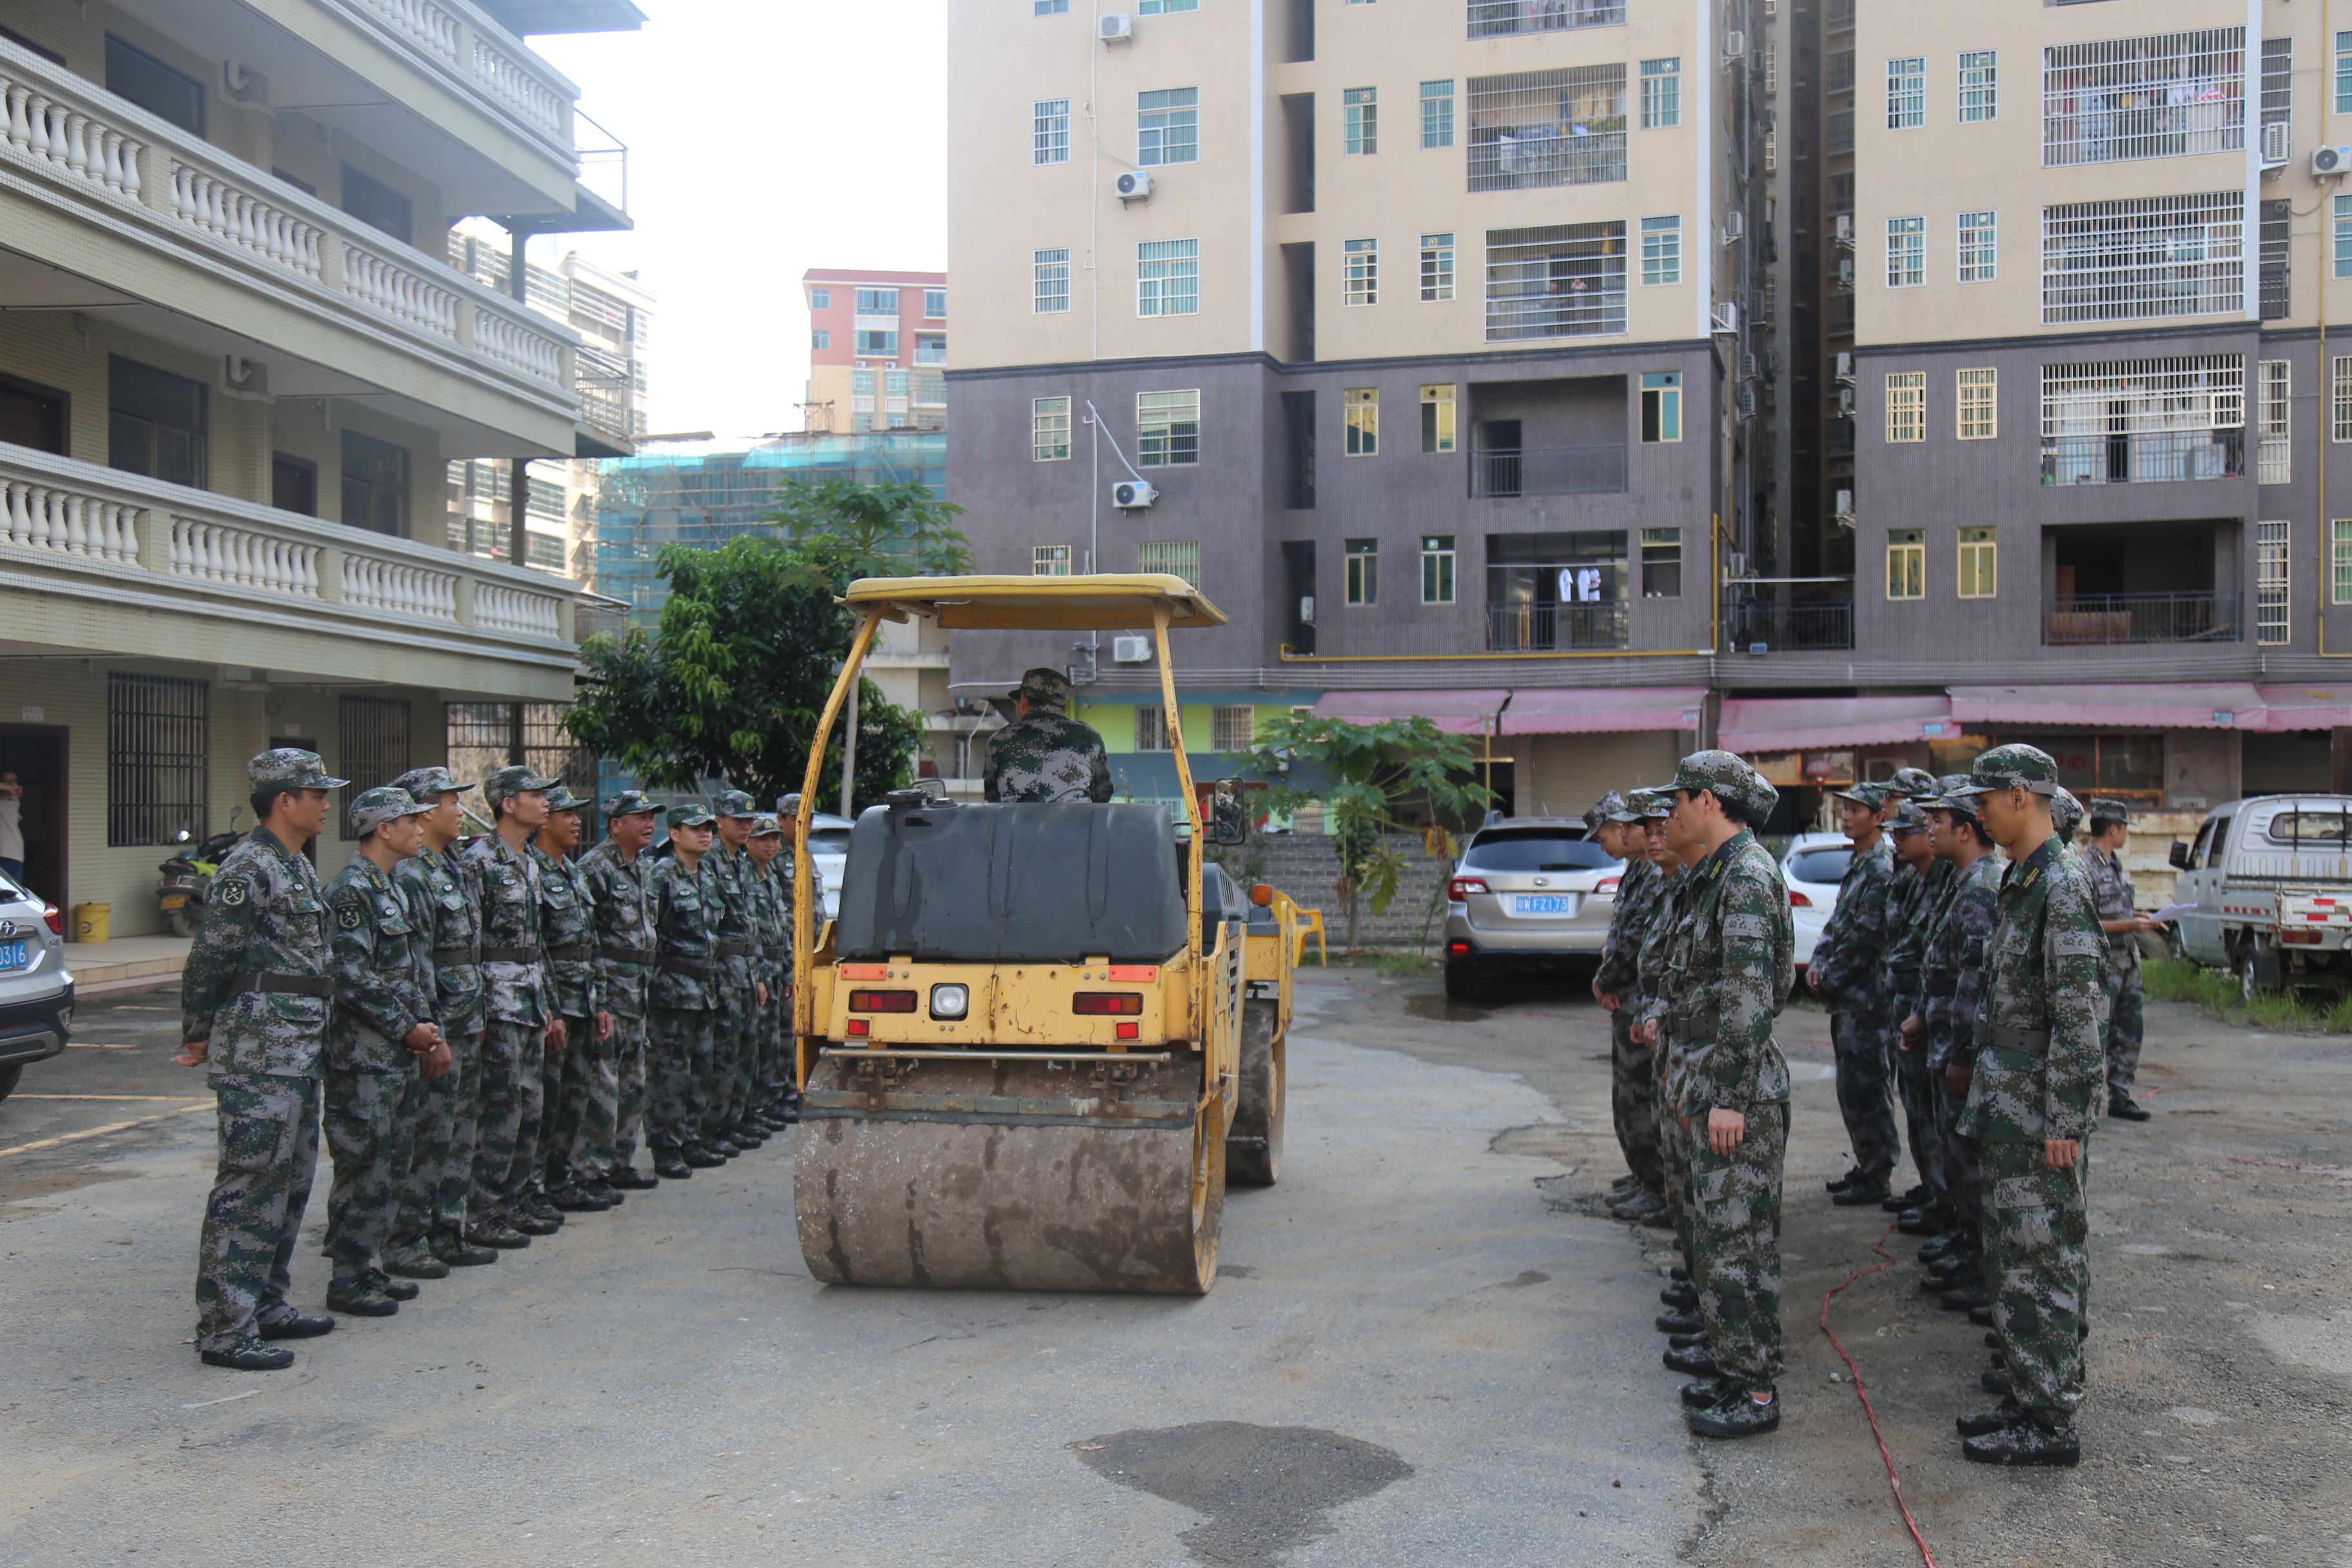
x=1364, y=776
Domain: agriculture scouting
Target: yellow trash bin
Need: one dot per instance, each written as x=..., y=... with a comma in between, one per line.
x=90, y=922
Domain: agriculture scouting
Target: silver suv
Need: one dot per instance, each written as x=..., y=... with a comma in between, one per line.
x=36, y=994
x=1526, y=889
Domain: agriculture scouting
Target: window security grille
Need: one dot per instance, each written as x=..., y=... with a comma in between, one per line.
x=1977, y=398
x=1052, y=281
x=2275, y=460
x=1233, y=728
x=158, y=734
x=480, y=740
x=2274, y=284
x=1906, y=406
x=1049, y=560
x=1168, y=278
x=1151, y=727
x=2162, y=97
x=1560, y=282
x=1546, y=128
x=1049, y=131
x=1168, y=430
x=2154, y=255
x=1180, y=556
x=373, y=736
x=1049, y=429
x=1498, y=18
x=1360, y=279
x=2278, y=88
x=2141, y=421
x=1436, y=268
x=2271, y=582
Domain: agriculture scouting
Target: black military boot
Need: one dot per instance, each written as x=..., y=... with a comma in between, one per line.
x=2123, y=1108
x=2027, y=1443
x=1684, y=1342
x=354, y=1296
x=1681, y=1297
x=1842, y=1182
x=1916, y=1222
x=249, y=1355
x=295, y=1326
x=1995, y=1382
x=455, y=1250
x=701, y=1157
x=629, y=1178
x=1641, y=1208
x=1999, y=1418
x=1678, y=1274
x=603, y=1192
x=536, y=1205
x=1864, y=1191
x=670, y=1165
x=1707, y=1392
x=529, y=1222
x=1623, y=1186
x=1966, y=1296
x=498, y=1235
x=415, y=1262
x=383, y=1284
x=1897, y=1202
x=576, y=1199
x=1736, y=1416
x=1679, y=1323
x=1981, y=1316
x=1699, y=1360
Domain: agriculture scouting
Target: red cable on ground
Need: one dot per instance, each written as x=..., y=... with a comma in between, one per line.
x=1893, y=1480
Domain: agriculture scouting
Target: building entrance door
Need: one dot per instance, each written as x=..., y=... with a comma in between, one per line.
x=35, y=753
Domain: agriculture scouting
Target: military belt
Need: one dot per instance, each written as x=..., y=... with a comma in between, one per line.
x=509, y=955
x=573, y=952
x=2012, y=1037
x=699, y=968
x=737, y=949
x=455, y=957
x=273, y=980
x=620, y=954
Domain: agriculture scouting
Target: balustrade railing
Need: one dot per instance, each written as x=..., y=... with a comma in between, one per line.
x=1534, y=627
x=243, y=558
x=253, y=224
x=35, y=516
x=441, y=32
x=401, y=588
x=1805, y=626
x=68, y=139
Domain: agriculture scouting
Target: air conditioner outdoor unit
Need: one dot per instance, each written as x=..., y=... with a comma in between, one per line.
x=1845, y=509
x=1735, y=227
x=1845, y=366
x=1127, y=650
x=2328, y=163
x=1727, y=320
x=1845, y=403
x=1135, y=186
x=1845, y=272
x=1117, y=27
x=1843, y=231
x=2278, y=144
x=1743, y=400
x=1133, y=495
x=1734, y=46
x=1734, y=565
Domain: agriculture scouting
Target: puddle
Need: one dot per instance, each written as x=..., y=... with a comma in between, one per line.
x=1265, y=1489
x=1433, y=1007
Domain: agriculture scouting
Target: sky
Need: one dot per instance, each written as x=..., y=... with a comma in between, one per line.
x=765, y=137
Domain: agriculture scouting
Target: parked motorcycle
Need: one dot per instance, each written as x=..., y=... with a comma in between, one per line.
x=188, y=877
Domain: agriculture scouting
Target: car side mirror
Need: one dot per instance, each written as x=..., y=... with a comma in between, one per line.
x=2179, y=857
x=1228, y=813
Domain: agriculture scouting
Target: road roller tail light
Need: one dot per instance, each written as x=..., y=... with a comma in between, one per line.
x=881, y=1001
x=1108, y=1003
x=1462, y=887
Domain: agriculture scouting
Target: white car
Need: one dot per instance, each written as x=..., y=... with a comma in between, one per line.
x=829, y=848
x=1813, y=865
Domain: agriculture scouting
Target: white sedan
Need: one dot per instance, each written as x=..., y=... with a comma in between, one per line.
x=829, y=849
x=1813, y=865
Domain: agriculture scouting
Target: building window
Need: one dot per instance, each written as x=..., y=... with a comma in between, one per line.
x=1168, y=126
x=376, y=485
x=2138, y=421
x=541, y=497
x=877, y=301
x=2275, y=387
x=1565, y=281
x=1979, y=89
x=1168, y=430
x=1361, y=408
x=1978, y=247
x=1661, y=250
x=873, y=344
x=1363, y=559
x=1050, y=281
x=1168, y=278
x=1177, y=557
x=2153, y=255
x=1906, y=406
x=1049, y=131
x=1906, y=563
x=155, y=423
x=1976, y=394
x=861, y=383
x=165, y=93
x=2270, y=582
x=2274, y=287
x=2340, y=560
x=1233, y=728
x=1437, y=563
x=1906, y=93
x=2344, y=73
x=2340, y=398
x=935, y=304
x=1436, y=268
x=820, y=338
x=158, y=756
x=1437, y=418
x=1360, y=282
x=1538, y=128
x=1437, y=113
x=1052, y=7
x=1498, y=18
x=930, y=390
x=1362, y=108
x=1662, y=94
x=1661, y=563
x=2159, y=97
x=543, y=551
x=1906, y=252
x=1662, y=406
x=931, y=348
x=1049, y=560
x=1771, y=68
x=1151, y=727
x=894, y=384
x=1049, y=429
x=1979, y=564
x=373, y=732
x=820, y=299
x=1165, y=7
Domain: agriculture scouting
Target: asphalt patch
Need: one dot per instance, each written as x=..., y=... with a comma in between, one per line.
x=1265, y=1489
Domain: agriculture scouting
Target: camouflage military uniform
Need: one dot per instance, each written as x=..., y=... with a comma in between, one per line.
x=625, y=959
x=772, y=903
x=444, y=1131
x=1047, y=756
x=1951, y=980
x=1910, y=903
x=2037, y=1070
x=1632, y=1076
x=1848, y=959
x=578, y=1084
x=727, y=873
x=2111, y=885
x=1650, y=1005
x=255, y=986
x=1731, y=965
x=383, y=969
x=680, y=1001
x=520, y=1004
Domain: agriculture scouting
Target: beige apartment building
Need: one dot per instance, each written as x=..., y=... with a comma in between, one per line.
x=234, y=363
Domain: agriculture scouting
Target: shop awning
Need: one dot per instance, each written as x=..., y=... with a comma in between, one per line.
x=2286, y=708
x=1753, y=724
x=1555, y=711
x=2209, y=705
x=1456, y=712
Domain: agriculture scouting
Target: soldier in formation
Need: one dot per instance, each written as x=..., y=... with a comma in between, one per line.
x=1619, y=829
x=2123, y=923
x=1847, y=972
x=482, y=1015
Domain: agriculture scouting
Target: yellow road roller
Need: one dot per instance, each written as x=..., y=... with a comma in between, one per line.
x=1037, y=1040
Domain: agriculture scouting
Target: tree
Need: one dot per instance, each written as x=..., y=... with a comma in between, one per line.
x=1374, y=771
x=849, y=530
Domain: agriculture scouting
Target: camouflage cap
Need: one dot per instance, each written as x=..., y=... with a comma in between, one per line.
x=1606, y=809
x=2065, y=813
x=561, y=798
x=514, y=780
x=1943, y=799
x=1731, y=779
x=687, y=816
x=2013, y=767
x=1906, y=818
x=766, y=826
x=1918, y=784
x=1650, y=805
x=1633, y=807
x=429, y=784
x=735, y=802
x=1045, y=688
x=1870, y=794
x=383, y=803
x=631, y=803
x=2112, y=810
x=290, y=767
x=789, y=804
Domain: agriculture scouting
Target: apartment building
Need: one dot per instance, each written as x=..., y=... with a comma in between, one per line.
x=1417, y=334
x=877, y=350
x=235, y=360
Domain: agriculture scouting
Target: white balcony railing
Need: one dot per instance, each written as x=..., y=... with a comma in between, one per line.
x=217, y=553
x=463, y=41
x=90, y=147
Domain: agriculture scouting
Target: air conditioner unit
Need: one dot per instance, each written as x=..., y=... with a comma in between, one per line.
x=1743, y=400
x=1845, y=272
x=1841, y=230
x=1135, y=186
x=1727, y=320
x=1845, y=366
x=1117, y=27
x=2278, y=144
x=1734, y=565
x=1845, y=509
x=1133, y=495
x=1735, y=227
x=2329, y=163
x=1127, y=650
x=1845, y=403
x=1734, y=46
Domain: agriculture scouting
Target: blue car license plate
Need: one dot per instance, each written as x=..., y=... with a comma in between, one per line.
x=1544, y=904
x=15, y=954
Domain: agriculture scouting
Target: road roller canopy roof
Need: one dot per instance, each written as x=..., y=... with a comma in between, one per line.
x=1102, y=601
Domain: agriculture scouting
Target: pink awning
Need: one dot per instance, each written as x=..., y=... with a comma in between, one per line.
x=2286, y=708
x=1555, y=711
x=2209, y=705
x=1456, y=712
x=1753, y=724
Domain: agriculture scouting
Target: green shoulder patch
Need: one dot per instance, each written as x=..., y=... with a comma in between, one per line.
x=235, y=892
x=348, y=914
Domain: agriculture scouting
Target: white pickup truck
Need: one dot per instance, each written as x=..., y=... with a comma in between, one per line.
x=2271, y=880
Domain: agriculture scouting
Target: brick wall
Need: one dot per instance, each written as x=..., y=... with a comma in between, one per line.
x=1306, y=866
